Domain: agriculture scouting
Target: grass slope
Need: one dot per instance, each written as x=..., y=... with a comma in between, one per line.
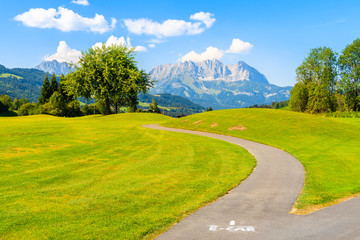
x=5, y=75
x=107, y=177
x=327, y=147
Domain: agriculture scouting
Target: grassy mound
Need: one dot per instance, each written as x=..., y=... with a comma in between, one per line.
x=327, y=147
x=107, y=177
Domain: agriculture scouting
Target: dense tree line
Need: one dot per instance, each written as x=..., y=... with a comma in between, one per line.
x=7, y=104
x=328, y=83
x=273, y=105
x=55, y=100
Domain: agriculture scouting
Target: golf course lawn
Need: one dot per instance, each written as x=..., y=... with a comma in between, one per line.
x=328, y=148
x=106, y=177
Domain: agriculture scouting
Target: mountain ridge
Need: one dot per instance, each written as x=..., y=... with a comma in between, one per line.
x=212, y=83
x=53, y=67
x=209, y=70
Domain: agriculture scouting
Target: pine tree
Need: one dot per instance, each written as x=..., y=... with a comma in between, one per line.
x=45, y=91
x=53, y=84
x=62, y=89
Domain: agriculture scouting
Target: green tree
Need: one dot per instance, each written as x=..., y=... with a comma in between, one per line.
x=16, y=104
x=3, y=108
x=54, y=86
x=316, y=82
x=63, y=91
x=19, y=102
x=153, y=107
x=73, y=109
x=45, y=91
x=349, y=63
x=28, y=109
x=6, y=100
x=108, y=73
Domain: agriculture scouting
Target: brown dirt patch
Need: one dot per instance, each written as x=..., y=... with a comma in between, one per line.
x=185, y=120
x=214, y=124
x=198, y=122
x=237, y=128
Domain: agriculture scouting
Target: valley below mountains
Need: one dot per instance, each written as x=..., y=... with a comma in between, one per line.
x=212, y=83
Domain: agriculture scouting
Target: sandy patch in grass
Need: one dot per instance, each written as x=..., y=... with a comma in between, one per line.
x=185, y=120
x=315, y=208
x=214, y=124
x=237, y=128
x=198, y=122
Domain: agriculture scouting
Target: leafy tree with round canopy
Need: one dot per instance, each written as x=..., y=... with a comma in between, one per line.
x=110, y=74
x=349, y=63
x=316, y=82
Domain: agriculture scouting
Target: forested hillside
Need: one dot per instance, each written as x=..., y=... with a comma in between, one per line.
x=21, y=82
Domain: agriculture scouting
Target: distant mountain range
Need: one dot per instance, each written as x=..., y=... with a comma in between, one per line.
x=53, y=67
x=211, y=83
x=207, y=83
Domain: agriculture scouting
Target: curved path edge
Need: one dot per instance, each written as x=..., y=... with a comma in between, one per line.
x=258, y=208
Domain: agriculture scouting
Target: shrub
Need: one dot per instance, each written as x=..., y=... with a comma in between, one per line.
x=28, y=109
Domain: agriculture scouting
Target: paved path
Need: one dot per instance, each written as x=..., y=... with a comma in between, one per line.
x=259, y=207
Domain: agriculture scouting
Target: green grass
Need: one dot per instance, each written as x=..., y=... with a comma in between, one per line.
x=99, y=177
x=328, y=148
x=5, y=75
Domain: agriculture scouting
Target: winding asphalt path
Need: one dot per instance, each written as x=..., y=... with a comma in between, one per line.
x=259, y=207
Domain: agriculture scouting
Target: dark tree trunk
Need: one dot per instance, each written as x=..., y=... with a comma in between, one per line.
x=116, y=108
x=107, y=106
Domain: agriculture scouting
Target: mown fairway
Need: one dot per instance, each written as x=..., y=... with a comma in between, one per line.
x=329, y=148
x=107, y=177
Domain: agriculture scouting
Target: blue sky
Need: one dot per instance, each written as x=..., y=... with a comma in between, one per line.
x=272, y=36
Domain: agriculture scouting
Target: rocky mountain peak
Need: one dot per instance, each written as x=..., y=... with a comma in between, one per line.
x=53, y=67
x=209, y=70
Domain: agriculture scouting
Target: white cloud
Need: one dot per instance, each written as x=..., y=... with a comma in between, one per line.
x=112, y=40
x=206, y=18
x=156, y=41
x=170, y=27
x=65, y=20
x=81, y=2
x=113, y=23
x=140, y=49
x=64, y=54
x=237, y=46
x=152, y=45
x=210, y=54
x=240, y=47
